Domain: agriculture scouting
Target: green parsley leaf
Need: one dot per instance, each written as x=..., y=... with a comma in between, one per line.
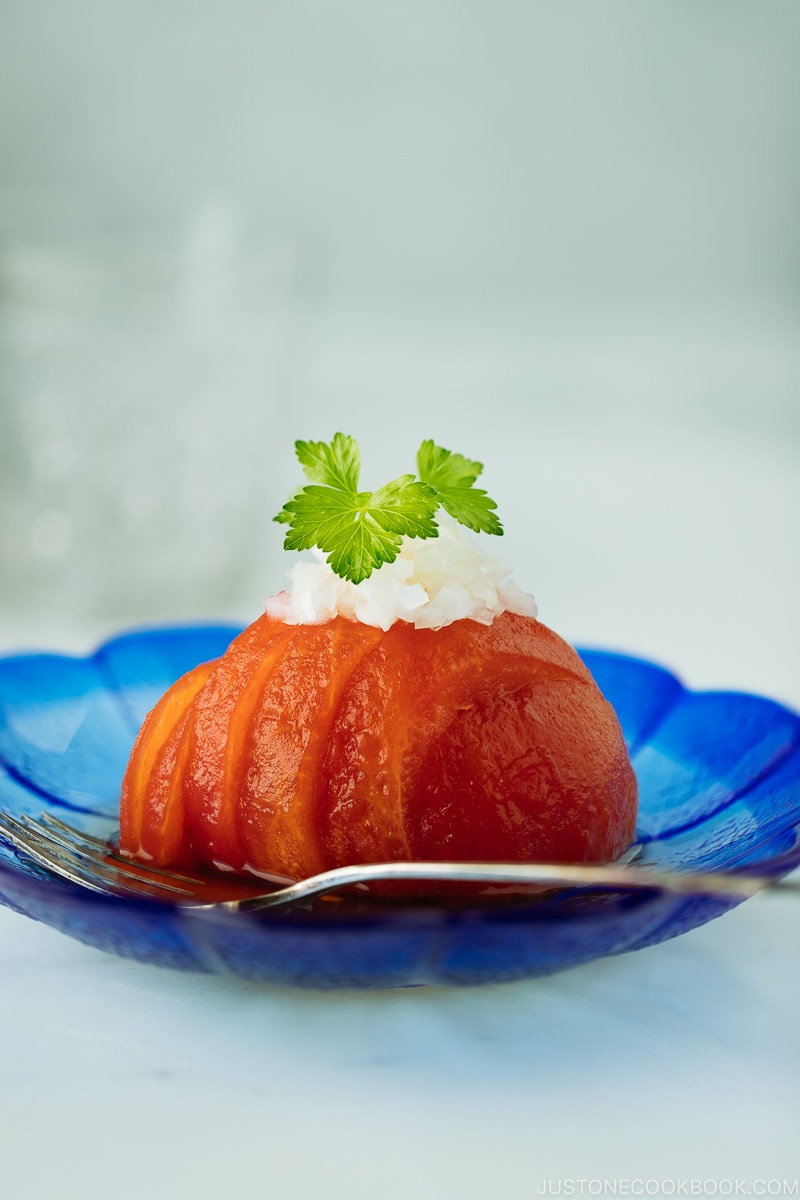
x=453, y=477
x=337, y=465
x=359, y=531
x=406, y=507
x=340, y=524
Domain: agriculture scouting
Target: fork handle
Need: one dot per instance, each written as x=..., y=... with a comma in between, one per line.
x=689, y=883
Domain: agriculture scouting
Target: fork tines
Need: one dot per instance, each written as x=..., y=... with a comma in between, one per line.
x=89, y=861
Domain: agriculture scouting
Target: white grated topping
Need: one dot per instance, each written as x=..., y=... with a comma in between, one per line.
x=432, y=583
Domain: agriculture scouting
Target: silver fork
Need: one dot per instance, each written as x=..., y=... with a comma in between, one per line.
x=94, y=863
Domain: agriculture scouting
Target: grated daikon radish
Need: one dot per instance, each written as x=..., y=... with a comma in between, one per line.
x=432, y=583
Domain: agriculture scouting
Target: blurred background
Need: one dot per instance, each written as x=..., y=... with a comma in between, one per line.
x=563, y=239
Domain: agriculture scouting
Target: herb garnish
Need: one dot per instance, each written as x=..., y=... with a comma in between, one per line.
x=360, y=531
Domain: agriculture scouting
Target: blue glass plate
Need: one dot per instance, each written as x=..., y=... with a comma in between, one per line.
x=719, y=777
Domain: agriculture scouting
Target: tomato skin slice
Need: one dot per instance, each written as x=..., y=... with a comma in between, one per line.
x=219, y=724
x=308, y=747
x=289, y=727
x=152, y=773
